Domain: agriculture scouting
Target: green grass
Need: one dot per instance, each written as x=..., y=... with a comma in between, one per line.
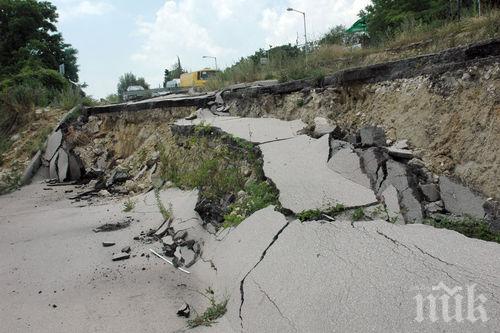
x=358, y=214
x=38, y=141
x=10, y=182
x=317, y=214
x=128, y=205
x=165, y=213
x=259, y=195
x=468, y=226
x=5, y=145
x=210, y=315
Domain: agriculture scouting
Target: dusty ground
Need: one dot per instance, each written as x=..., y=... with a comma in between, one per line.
x=57, y=277
x=453, y=121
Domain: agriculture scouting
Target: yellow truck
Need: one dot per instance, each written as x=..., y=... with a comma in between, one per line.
x=197, y=79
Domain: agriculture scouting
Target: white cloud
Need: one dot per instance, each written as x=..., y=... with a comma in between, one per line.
x=71, y=9
x=282, y=26
x=176, y=31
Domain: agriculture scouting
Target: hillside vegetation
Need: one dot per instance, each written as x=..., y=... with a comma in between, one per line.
x=411, y=35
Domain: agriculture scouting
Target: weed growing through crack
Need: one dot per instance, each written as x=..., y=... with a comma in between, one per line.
x=128, y=205
x=258, y=195
x=211, y=314
x=317, y=214
x=468, y=226
x=358, y=214
x=166, y=213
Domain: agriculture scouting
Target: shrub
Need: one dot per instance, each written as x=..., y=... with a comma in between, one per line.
x=468, y=226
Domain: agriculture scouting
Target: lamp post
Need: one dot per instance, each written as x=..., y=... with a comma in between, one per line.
x=210, y=57
x=305, y=25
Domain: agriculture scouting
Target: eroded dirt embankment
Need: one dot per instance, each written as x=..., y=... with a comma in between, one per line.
x=451, y=119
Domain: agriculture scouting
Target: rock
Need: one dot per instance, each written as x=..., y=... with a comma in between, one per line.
x=101, y=162
x=460, y=200
x=15, y=137
x=401, y=144
x=401, y=153
x=117, y=176
x=108, y=244
x=321, y=127
x=53, y=167
x=197, y=248
x=430, y=192
x=492, y=210
x=104, y=193
x=53, y=144
x=372, y=136
x=192, y=116
x=188, y=256
x=180, y=235
x=177, y=261
x=155, y=157
x=140, y=173
x=126, y=249
x=32, y=168
x=352, y=138
x=162, y=230
x=168, y=240
x=121, y=256
x=433, y=208
x=184, y=311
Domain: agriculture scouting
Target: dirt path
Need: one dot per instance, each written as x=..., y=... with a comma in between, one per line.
x=57, y=277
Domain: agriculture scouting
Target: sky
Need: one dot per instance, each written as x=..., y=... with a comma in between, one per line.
x=145, y=37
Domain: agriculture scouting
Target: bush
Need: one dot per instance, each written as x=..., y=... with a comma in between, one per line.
x=47, y=78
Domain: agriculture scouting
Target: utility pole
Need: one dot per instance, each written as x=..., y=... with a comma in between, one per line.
x=305, y=29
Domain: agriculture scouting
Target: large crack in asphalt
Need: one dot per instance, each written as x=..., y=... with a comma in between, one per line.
x=242, y=282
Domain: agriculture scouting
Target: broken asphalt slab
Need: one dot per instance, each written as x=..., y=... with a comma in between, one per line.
x=300, y=170
x=256, y=130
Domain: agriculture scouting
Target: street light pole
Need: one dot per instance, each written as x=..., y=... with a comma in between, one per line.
x=210, y=57
x=305, y=29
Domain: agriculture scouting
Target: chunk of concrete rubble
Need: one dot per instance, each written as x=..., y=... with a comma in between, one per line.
x=398, y=176
x=62, y=165
x=218, y=98
x=434, y=207
x=180, y=235
x=188, y=256
x=184, y=311
x=430, y=192
x=162, y=230
x=373, y=163
x=32, y=168
x=300, y=171
x=108, y=244
x=53, y=167
x=126, y=249
x=401, y=153
x=177, y=261
x=372, y=136
x=120, y=256
x=347, y=163
x=53, y=144
x=460, y=200
x=140, y=173
x=322, y=127
x=117, y=176
x=391, y=200
x=168, y=240
x=401, y=144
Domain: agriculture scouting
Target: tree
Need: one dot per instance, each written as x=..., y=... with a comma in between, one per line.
x=174, y=73
x=336, y=35
x=30, y=39
x=129, y=79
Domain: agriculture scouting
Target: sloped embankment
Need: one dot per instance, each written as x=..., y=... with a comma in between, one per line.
x=447, y=105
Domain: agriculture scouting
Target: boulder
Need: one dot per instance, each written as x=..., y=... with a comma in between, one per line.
x=460, y=200
x=53, y=167
x=53, y=144
x=372, y=136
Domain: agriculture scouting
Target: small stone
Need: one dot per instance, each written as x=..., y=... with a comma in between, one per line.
x=126, y=249
x=433, y=208
x=108, y=244
x=104, y=193
x=121, y=256
x=321, y=127
x=184, y=311
x=401, y=144
x=168, y=240
x=402, y=153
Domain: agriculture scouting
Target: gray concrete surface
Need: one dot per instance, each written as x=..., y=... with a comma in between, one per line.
x=299, y=169
x=50, y=255
x=257, y=130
